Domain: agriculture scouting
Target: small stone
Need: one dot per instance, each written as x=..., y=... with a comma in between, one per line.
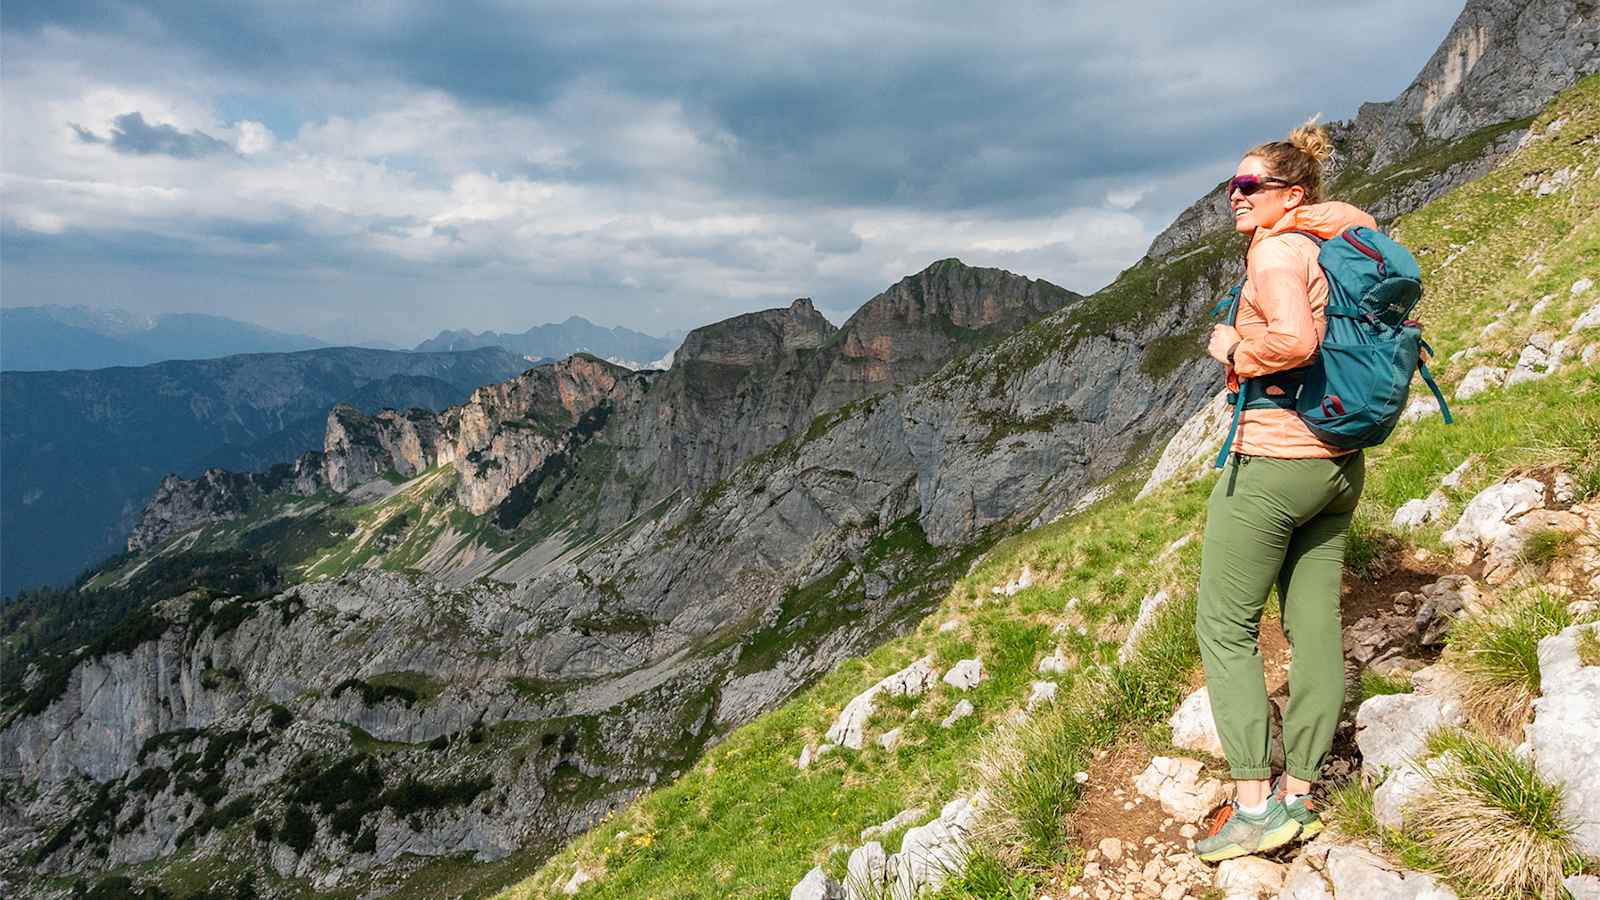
x=817, y=886
x=950, y=626
x=961, y=711
x=1041, y=692
x=1478, y=380
x=1127, y=807
x=888, y=739
x=1580, y=286
x=1416, y=513
x=1249, y=876
x=1189, y=831
x=1054, y=664
x=1111, y=849
x=578, y=880
x=1080, y=777
x=965, y=674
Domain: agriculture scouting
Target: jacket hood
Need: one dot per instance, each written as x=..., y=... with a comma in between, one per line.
x=1325, y=220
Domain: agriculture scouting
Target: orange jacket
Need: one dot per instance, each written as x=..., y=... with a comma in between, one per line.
x=1281, y=322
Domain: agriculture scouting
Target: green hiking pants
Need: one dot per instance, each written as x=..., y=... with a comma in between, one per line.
x=1276, y=521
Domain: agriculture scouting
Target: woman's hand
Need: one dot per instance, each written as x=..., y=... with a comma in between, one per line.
x=1223, y=339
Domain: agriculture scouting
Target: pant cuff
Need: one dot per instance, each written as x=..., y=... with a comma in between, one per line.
x=1305, y=774
x=1261, y=773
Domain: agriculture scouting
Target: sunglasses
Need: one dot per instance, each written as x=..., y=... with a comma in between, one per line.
x=1249, y=185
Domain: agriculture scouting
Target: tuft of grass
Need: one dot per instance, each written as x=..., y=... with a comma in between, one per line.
x=1490, y=820
x=1375, y=685
x=1545, y=546
x=1498, y=658
x=1348, y=809
x=1589, y=647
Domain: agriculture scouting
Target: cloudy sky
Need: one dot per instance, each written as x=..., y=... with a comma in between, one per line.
x=388, y=169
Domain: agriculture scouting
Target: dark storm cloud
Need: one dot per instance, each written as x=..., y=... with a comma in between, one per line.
x=1023, y=107
x=130, y=133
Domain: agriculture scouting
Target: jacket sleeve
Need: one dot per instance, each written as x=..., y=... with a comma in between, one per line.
x=1279, y=276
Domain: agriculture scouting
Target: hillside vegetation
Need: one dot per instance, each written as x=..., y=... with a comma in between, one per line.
x=1503, y=260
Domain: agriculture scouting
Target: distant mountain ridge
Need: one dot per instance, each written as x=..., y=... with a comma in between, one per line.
x=83, y=449
x=623, y=346
x=41, y=338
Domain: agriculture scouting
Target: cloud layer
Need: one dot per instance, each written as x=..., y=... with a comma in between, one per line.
x=409, y=166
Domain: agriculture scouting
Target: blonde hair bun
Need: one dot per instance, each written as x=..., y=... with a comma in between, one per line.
x=1313, y=140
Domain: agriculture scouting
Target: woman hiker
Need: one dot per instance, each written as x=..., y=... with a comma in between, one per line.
x=1281, y=510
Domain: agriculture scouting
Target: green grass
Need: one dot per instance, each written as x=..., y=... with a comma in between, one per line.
x=1497, y=656
x=1589, y=647
x=1375, y=685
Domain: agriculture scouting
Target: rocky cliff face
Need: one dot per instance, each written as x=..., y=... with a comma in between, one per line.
x=611, y=662
x=1502, y=61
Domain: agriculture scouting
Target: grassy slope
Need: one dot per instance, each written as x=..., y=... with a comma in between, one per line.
x=746, y=822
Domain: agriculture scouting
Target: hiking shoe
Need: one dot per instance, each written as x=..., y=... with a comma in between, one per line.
x=1301, y=810
x=1234, y=833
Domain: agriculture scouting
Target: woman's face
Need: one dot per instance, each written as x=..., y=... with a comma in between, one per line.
x=1266, y=206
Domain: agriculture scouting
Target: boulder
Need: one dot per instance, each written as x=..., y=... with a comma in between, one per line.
x=1421, y=406
x=1589, y=319
x=1358, y=874
x=1487, y=517
x=1393, y=729
x=1249, y=877
x=1177, y=783
x=965, y=675
x=1416, y=513
x=817, y=886
x=1191, y=445
x=1582, y=887
x=1565, y=733
x=1540, y=357
x=849, y=729
x=867, y=872
x=1478, y=380
x=1194, y=728
x=1409, y=781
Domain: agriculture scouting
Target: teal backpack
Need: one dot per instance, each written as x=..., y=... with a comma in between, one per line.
x=1353, y=391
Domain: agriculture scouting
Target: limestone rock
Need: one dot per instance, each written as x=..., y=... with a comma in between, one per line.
x=1041, y=693
x=1420, y=407
x=965, y=674
x=1191, y=446
x=868, y=871
x=1148, y=608
x=1583, y=887
x=1177, y=783
x=1416, y=513
x=1453, y=480
x=1054, y=664
x=1358, y=874
x=817, y=886
x=1194, y=728
x=1110, y=849
x=1478, y=380
x=1589, y=319
x=1404, y=784
x=899, y=820
x=889, y=739
x=1393, y=729
x=1487, y=517
x=577, y=881
x=849, y=729
x=1249, y=877
x=961, y=711
x=1565, y=733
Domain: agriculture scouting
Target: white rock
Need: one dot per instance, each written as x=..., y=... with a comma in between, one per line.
x=1478, y=380
x=1357, y=874
x=849, y=729
x=807, y=756
x=1565, y=490
x=1416, y=513
x=889, y=739
x=1565, y=733
x=1393, y=729
x=1148, y=608
x=817, y=886
x=1487, y=517
x=1582, y=887
x=961, y=711
x=1054, y=664
x=1110, y=849
x=1080, y=777
x=929, y=855
x=1581, y=285
x=965, y=675
x=900, y=820
x=1590, y=354
x=1589, y=319
x=1453, y=480
x=1194, y=727
x=577, y=881
x=1177, y=783
x=1042, y=692
x=1249, y=877
x=1421, y=406
x=1409, y=781
x=1539, y=308
x=868, y=871
x=1192, y=445
x=950, y=626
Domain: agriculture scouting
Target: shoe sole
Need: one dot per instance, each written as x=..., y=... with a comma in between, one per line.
x=1270, y=840
x=1310, y=830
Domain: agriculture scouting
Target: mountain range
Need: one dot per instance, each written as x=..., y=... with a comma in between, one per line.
x=449, y=641
x=37, y=338
x=623, y=346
